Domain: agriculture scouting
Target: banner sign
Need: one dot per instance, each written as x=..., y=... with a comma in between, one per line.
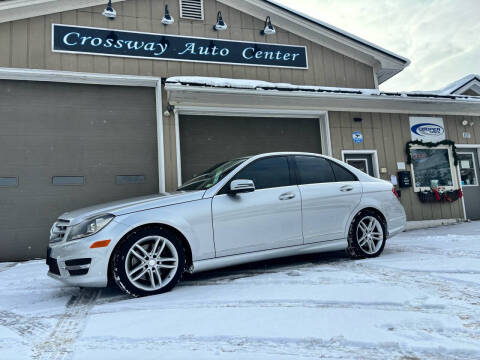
x=109, y=42
x=427, y=129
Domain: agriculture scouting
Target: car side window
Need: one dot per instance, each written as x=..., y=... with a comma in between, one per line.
x=313, y=170
x=342, y=174
x=267, y=173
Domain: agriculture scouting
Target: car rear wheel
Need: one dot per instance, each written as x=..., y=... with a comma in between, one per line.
x=150, y=261
x=367, y=235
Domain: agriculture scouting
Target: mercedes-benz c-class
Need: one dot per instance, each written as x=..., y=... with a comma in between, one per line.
x=242, y=210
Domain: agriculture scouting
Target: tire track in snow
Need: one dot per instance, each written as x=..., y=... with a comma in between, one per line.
x=292, y=348
x=26, y=327
x=58, y=345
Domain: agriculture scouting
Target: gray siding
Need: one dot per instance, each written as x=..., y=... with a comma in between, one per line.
x=27, y=44
x=388, y=133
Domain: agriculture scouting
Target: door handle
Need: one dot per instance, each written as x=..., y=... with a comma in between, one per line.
x=346, y=188
x=287, y=196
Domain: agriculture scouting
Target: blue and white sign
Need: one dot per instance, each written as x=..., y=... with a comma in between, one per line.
x=110, y=42
x=427, y=129
x=357, y=137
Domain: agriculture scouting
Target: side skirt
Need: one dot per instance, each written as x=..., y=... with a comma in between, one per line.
x=210, y=264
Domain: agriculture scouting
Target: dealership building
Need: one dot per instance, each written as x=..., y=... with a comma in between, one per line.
x=97, y=106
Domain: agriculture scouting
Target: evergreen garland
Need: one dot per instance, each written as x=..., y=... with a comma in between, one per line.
x=431, y=145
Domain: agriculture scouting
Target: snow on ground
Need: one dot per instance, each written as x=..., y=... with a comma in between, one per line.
x=419, y=300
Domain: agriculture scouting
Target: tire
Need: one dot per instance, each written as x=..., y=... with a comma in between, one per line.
x=367, y=236
x=149, y=261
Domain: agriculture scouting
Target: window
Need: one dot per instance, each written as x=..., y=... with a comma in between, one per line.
x=342, y=174
x=432, y=168
x=267, y=173
x=313, y=170
x=468, y=169
x=360, y=164
x=191, y=9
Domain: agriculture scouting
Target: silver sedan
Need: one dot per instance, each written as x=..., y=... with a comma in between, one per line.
x=242, y=210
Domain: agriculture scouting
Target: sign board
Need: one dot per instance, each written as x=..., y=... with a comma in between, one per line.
x=110, y=42
x=427, y=129
x=357, y=137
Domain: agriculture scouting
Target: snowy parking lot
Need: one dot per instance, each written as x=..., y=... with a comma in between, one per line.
x=419, y=300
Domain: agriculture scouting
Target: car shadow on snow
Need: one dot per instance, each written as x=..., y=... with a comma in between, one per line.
x=223, y=275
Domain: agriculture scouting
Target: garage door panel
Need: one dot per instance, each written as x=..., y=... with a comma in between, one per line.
x=208, y=140
x=56, y=129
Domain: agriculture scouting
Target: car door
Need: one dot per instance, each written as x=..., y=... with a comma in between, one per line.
x=329, y=193
x=267, y=218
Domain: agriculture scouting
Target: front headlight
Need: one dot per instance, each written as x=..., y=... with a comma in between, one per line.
x=89, y=227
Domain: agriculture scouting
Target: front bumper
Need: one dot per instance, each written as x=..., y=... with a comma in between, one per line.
x=80, y=271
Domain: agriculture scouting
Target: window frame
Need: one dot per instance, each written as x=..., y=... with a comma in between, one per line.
x=474, y=168
x=453, y=168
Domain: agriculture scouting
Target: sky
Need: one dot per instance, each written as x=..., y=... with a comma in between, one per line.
x=440, y=37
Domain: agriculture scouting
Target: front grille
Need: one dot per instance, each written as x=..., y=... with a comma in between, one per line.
x=58, y=230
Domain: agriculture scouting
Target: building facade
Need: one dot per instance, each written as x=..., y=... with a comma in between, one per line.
x=94, y=109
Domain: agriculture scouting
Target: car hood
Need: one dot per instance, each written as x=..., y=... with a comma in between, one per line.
x=126, y=206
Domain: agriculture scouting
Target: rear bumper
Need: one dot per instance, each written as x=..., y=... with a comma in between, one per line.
x=396, y=226
x=92, y=273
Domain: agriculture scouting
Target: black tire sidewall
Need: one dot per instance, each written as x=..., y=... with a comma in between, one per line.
x=119, y=257
x=358, y=250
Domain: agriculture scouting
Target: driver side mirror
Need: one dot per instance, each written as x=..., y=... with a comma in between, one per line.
x=241, y=186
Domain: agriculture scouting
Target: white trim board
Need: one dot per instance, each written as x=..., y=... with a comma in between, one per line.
x=101, y=79
x=374, y=153
x=316, y=101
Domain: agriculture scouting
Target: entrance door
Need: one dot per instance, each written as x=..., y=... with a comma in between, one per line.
x=361, y=161
x=469, y=172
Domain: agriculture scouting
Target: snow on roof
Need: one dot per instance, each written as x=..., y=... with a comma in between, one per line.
x=265, y=85
x=340, y=31
x=454, y=86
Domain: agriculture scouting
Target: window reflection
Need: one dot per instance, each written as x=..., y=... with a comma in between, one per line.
x=431, y=166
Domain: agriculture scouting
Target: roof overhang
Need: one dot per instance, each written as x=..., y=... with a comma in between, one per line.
x=472, y=85
x=354, y=100
x=23, y=9
x=385, y=63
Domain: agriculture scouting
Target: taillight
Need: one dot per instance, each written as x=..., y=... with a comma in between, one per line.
x=395, y=193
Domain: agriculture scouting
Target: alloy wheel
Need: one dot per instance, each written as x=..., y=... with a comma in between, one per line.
x=370, y=235
x=151, y=263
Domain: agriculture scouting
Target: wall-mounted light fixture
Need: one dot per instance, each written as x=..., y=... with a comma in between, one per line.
x=220, y=25
x=357, y=119
x=109, y=11
x=269, y=29
x=168, y=110
x=167, y=18
x=465, y=122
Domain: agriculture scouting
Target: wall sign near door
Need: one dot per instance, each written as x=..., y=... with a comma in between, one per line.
x=357, y=137
x=108, y=42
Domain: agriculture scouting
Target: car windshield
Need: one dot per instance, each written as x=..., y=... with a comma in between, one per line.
x=212, y=176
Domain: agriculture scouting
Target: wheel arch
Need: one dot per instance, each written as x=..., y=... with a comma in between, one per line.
x=370, y=208
x=183, y=238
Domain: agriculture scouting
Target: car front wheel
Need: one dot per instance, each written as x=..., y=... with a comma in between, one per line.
x=367, y=235
x=149, y=261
